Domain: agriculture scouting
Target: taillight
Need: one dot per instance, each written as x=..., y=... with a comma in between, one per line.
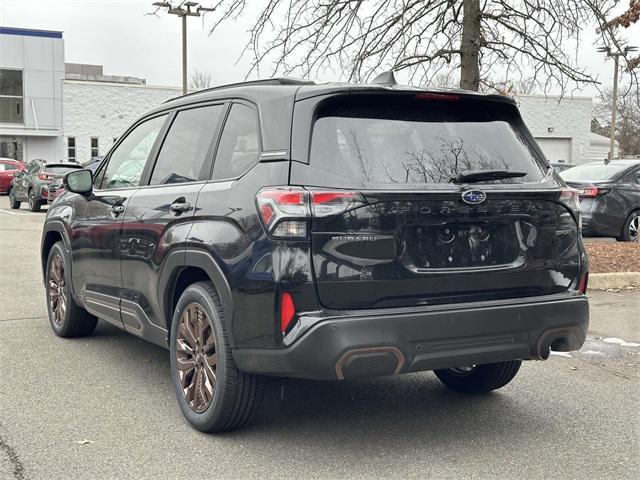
x=285, y=211
x=593, y=192
x=43, y=176
x=325, y=203
x=582, y=285
x=287, y=311
x=569, y=196
x=437, y=96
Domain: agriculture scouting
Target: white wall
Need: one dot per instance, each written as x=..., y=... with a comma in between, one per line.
x=47, y=148
x=567, y=117
x=105, y=110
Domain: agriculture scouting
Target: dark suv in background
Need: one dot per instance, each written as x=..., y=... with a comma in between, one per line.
x=38, y=183
x=330, y=232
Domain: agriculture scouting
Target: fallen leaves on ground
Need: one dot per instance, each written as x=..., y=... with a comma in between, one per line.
x=606, y=257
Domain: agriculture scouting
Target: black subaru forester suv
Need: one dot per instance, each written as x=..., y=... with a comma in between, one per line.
x=334, y=231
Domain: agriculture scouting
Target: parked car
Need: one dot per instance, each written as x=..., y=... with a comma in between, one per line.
x=38, y=182
x=8, y=169
x=331, y=232
x=609, y=198
x=93, y=163
x=561, y=167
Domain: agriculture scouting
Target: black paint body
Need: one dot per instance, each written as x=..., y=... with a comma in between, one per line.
x=364, y=273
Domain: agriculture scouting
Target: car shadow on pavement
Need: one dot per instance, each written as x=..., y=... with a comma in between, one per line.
x=342, y=415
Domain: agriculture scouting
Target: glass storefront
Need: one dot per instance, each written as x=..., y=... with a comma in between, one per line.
x=12, y=147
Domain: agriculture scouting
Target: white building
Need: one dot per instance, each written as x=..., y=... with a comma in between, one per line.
x=561, y=125
x=98, y=110
x=599, y=148
x=31, y=73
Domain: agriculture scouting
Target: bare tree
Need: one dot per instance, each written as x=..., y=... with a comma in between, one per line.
x=523, y=38
x=628, y=18
x=628, y=120
x=199, y=80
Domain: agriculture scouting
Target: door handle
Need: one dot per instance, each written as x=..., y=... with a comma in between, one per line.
x=117, y=209
x=178, y=207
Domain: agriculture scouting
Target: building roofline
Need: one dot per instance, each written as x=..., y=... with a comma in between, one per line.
x=122, y=84
x=561, y=97
x=29, y=32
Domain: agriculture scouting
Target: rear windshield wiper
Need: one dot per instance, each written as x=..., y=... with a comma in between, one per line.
x=471, y=176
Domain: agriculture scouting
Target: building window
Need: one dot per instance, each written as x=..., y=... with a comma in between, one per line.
x=94, y=147
x=71, y=149
x=11, y=96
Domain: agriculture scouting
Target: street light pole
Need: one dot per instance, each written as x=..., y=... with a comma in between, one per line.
x=184, y=55
x=184, y=10
x=614, y=107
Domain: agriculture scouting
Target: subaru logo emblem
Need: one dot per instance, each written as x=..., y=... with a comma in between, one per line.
x=474, y=197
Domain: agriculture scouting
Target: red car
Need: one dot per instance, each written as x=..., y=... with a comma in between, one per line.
x=8, y=169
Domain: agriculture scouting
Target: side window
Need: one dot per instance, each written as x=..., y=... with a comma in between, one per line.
x=239, y=145
x=185, y=148
x=127, y=161
x=34, y=167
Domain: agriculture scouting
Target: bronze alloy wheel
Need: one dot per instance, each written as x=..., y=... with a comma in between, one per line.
x=196, y=357
x=56, y=290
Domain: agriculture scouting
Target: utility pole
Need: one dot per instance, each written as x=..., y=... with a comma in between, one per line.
x=614, y=107
x=184, y=10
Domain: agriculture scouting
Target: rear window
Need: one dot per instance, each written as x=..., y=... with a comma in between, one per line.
x=593, y=172
x=420, y=139
x=61, y=169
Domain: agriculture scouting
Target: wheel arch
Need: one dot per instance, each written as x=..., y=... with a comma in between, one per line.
x=52, y=232
x=183, y=268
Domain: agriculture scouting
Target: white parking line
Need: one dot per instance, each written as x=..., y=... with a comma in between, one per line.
x=6, y=211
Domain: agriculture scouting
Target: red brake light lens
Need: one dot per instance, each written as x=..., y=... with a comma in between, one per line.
x=437, y=96
x=43, y=176
x=326, y=203
x=593, y=192
x=584, y=281
x=287, y=311
x=284, y=211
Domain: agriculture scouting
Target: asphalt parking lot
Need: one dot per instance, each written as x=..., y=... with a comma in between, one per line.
x=103, y=407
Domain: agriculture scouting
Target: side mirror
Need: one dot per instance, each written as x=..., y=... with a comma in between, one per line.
x=79, y=181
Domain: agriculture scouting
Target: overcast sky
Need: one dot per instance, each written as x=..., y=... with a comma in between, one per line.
x=118, y=35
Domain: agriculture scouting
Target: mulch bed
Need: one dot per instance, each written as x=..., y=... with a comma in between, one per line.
x=606, y=257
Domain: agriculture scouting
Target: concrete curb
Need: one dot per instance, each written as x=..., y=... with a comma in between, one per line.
x=614, y=281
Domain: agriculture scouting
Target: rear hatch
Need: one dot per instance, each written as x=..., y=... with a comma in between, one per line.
x=54, y=173
x=390, y=228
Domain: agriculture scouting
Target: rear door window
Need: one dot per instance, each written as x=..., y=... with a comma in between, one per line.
x=239, y=145
x=406, y=139
x=187, y=146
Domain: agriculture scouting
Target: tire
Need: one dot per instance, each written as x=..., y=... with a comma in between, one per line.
x=13, y=203
x=72, y=320
x=480, y=378
x=217, y=403
x=631, y=228
x=34, y=205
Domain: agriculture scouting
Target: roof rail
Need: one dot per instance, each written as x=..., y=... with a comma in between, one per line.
x=266, y=81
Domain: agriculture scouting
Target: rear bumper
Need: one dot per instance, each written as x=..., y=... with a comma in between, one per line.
x=386, y=343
